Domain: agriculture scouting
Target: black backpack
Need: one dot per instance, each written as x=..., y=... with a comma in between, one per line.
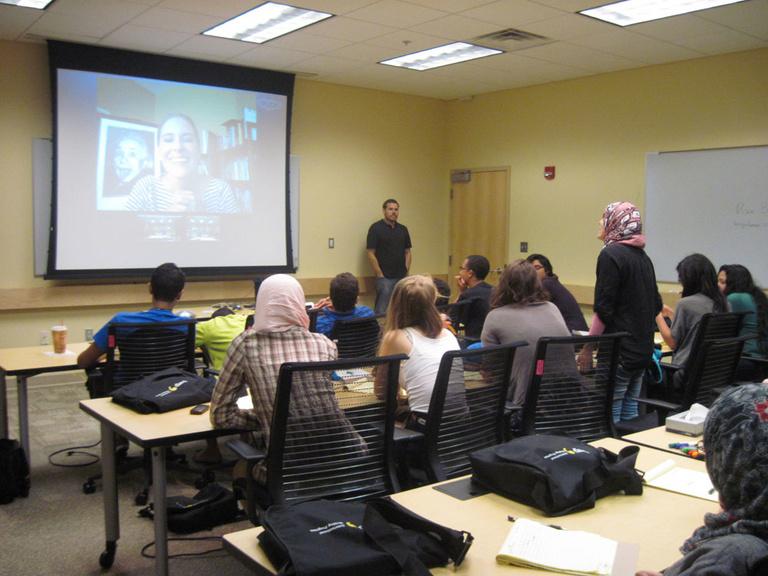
x=14, y=471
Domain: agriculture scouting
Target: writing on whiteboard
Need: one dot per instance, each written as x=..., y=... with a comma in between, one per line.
x=744, y=208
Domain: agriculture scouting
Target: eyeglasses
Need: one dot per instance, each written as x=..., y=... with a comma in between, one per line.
x=462, y=268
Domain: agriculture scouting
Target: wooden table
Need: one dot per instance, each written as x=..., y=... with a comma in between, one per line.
x=150, y=431
x=23, y=363
x=619, y=517
x=660, y=439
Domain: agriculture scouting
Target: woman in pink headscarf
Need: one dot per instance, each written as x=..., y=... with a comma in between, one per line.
x=279, y=334
x=626, y=300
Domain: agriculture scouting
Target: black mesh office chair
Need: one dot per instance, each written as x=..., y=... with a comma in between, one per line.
x=704, y=380
x=562, y=400
x=137, y=350
x=712, y=326
x=357, y=337
x=466, y=410
x=331, y=434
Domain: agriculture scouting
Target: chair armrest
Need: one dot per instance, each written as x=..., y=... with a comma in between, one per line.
x=664, y=408
x=669, y=367
x=249, y=453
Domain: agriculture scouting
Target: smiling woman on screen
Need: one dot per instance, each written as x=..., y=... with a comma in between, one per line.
x=180, y=186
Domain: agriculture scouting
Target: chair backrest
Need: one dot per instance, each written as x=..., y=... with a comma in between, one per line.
x=331, y=435
x=466, y=411
x=714, y=370
x=714, y=326
x=357, y=337
x=561, y=399
x=138, y=349
x=313, y=314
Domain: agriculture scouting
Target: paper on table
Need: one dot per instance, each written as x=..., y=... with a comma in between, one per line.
x=536, y=545
x=668, y=476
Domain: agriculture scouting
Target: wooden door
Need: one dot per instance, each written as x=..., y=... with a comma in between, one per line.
x=479, y=220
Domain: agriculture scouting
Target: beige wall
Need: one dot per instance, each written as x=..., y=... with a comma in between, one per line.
x=358, y=147
x=596, y=131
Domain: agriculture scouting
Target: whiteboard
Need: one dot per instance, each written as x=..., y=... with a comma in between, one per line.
x=710, y=201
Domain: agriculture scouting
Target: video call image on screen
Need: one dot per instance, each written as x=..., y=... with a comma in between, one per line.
x=144, y=165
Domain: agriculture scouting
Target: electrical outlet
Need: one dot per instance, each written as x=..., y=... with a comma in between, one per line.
x=89, y=334
x=331, y=242
x=523, y=247
x=45, y=337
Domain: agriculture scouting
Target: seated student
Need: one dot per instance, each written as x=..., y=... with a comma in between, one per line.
x=215, y=335
x=342, y=303
x=473, y=287
x=520, y=311
x=279, y=334
x=559, y=294
x=414, y=327
x=735, y=281
x=733, y=541
x=700, y=296
x=165, y=287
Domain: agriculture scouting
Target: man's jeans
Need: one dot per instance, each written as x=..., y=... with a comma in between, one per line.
x=384, y=287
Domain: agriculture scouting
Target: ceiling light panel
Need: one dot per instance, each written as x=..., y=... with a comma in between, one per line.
x=266, y=22
x=631, y=12
x=441, y=56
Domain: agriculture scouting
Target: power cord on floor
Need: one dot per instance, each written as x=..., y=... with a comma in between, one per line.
x=79, y=450
x=145, y=554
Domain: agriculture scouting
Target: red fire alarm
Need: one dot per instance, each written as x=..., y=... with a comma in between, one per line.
x=549, y=172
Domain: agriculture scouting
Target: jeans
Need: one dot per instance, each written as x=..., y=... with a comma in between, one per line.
x=628, y=386
x=384, y=287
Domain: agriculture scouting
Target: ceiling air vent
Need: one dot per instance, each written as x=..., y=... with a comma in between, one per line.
x=511, y=39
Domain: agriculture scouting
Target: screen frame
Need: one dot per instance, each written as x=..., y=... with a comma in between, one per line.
x=88, y=58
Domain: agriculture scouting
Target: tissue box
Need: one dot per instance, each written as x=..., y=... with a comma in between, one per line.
x=690, y=424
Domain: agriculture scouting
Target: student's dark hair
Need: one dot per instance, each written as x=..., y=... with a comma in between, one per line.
x=443, y=291
x=738, y=279
x=390, y=201
x=697, y=275
x=344, y=292
x=167, y=282
x=543, y=260
x=519, y=285
x=479, y=265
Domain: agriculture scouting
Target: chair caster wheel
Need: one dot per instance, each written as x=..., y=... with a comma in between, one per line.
x=89, y=487
x=107, y=557
x=141, y=499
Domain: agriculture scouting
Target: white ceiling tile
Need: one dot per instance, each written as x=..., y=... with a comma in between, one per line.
x=395, y=13
x=512, y=13
x=144, y=39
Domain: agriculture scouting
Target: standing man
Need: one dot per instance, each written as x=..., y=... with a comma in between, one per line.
x=474, y=288
x=389, y=252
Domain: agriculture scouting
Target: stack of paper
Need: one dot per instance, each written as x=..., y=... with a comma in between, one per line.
x=669, y=476
x=537, y=545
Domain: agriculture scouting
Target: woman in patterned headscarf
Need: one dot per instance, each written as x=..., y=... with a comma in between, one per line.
x=626, y=300
x=734, y=541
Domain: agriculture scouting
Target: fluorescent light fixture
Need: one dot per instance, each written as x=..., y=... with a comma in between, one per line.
x=441, y=56
x=266, y=22
x=38, y=4
x=636, y=11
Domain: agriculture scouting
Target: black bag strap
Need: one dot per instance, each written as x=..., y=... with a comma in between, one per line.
x=620, y=472
x=380, y=512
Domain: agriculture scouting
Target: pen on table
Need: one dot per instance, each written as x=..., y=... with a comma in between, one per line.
x=513, y=518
